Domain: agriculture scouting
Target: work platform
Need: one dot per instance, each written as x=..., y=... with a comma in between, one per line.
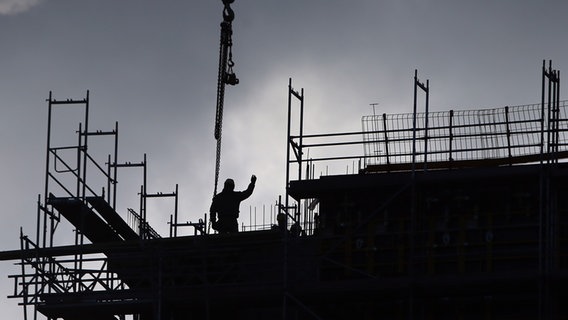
x=106, y=226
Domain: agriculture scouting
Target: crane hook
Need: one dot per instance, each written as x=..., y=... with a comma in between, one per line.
x=228, y=13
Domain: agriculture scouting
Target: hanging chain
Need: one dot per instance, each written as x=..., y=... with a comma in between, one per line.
x=219, y=112
x=225, y=76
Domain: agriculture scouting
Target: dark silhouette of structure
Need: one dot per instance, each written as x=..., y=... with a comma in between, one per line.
x=225, y=205
x=444, y=215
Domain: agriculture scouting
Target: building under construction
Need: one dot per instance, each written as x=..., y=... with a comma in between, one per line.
x=439, y=215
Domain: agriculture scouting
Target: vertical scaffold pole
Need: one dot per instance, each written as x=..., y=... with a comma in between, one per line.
x=542, y=114
x=115, y=171
x=85, y=144
x=288, y=140
x=451, y=137
x=297, y=148
x=426, y=89
x=547, y=208
x=385, y=130
x=414, y=123
x=47, y=156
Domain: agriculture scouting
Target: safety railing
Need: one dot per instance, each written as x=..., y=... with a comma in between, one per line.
x=501, y=133
x=143, y=228
x=508, y=135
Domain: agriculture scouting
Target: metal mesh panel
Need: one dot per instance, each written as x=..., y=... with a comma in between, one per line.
x=462, y=135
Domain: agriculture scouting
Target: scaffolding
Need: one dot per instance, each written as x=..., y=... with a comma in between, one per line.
x=438, y=197
x=438, y=140
x=437, y=210
x=83, y=191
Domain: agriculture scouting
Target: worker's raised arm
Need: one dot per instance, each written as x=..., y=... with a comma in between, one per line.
x=245, y=194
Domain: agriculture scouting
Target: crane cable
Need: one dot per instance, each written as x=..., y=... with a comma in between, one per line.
x=225, y=76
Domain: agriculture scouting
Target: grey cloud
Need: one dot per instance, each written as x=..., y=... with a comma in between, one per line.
x=8, y=7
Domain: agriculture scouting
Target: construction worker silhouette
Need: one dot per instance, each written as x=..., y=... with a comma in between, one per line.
x=225, y=206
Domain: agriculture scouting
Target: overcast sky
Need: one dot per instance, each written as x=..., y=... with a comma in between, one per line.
x=152, y=66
